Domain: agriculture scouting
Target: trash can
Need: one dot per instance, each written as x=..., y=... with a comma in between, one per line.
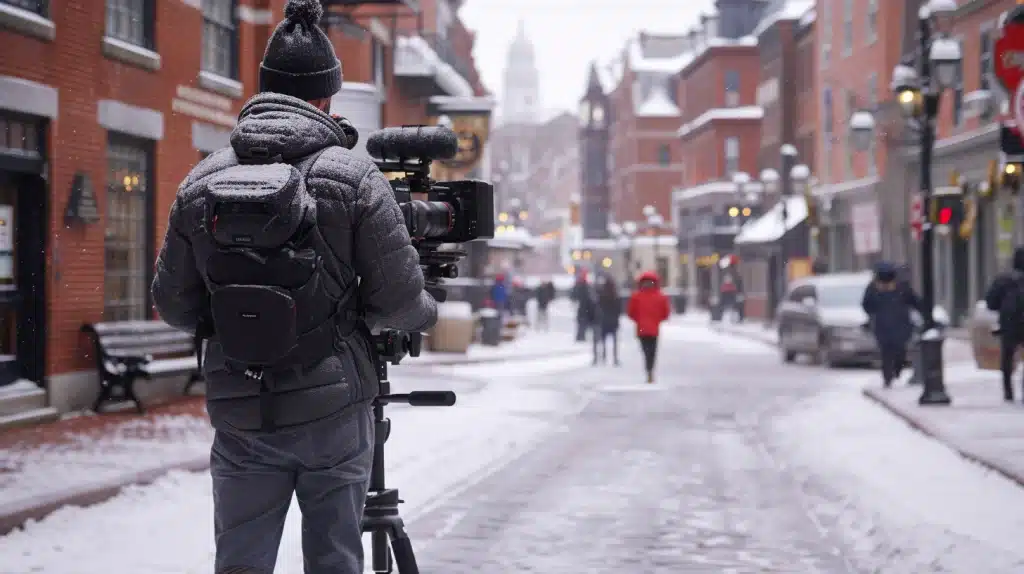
x=490, y=327
x=716, y=309
x=679, y=303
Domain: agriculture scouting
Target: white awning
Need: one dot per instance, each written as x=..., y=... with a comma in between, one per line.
x=769, y=227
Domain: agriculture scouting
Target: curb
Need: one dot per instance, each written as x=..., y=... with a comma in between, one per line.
x=39, y=508
x=990, y=464
x=749, y=336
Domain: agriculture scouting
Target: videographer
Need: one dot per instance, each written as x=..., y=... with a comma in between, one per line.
x=301, y=424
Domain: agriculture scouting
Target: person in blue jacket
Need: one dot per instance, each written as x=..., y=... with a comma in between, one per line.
x=888, y=302
x=499, y=293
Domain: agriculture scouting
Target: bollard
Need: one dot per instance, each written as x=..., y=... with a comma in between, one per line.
x=934, y=392
x=915, y=361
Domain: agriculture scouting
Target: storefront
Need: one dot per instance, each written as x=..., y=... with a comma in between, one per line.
x=964, y=266
x=24, y=227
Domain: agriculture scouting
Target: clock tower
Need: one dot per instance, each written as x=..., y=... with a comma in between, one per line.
x=595, y=194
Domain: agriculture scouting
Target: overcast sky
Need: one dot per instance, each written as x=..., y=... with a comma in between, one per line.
x=567, y=35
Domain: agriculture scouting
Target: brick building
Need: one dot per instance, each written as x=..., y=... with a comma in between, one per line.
x=768, y=246
x=645, y=156
x=720, y=137
x=119, y=104
x=859, y=43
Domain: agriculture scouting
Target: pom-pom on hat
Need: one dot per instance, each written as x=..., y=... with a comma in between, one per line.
x=300, y=59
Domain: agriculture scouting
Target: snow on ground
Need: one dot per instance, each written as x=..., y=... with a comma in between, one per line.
x=166, y=527
x=38, y=473
x=915, y=505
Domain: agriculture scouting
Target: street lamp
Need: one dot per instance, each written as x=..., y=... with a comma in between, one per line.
x=628, y=233
x=918, y=87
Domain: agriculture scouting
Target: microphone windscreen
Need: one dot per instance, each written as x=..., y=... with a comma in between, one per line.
x=415, y=142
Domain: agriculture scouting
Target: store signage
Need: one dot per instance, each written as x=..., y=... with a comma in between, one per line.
x=472, y=129
x=82, y=206
x=1008, y=60
x=916, y=215
x=203, y=105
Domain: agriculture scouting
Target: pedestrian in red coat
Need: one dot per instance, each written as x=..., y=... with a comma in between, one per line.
x=648, y=308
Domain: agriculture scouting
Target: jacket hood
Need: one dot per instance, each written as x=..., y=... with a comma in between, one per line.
x=1018, y=259
x=283, y=126
x=650, y=276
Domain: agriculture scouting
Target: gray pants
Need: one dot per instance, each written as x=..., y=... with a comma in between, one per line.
x=326, y=465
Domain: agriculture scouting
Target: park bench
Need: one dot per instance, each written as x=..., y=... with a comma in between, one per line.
x=127, y=351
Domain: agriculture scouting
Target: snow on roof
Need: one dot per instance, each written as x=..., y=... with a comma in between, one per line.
x=791, y=10
x=463, y=103
x=446, y=76
x=638, y=62
x=714, y=114
x=685, y=193
x=768, y=227
x=808, y=18
x=658, y=105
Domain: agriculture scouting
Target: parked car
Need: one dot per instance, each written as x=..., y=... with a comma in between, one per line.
x=821, y=316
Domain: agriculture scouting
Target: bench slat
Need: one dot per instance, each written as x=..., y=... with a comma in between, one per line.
x=168, y=366
x=130, y=327
x=168, y=349
x=142, y=340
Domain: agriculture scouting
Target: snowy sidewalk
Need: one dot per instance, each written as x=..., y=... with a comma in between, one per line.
x=87, y=459
x=979, y=424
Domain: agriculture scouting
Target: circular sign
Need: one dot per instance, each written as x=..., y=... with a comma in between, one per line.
x=1008, y=51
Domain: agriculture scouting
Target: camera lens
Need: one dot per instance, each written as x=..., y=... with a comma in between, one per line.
x=428, y=219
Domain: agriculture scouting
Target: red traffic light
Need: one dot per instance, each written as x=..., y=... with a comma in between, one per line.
x=945, y=215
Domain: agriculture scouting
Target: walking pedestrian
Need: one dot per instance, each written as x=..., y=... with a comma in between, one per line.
x=888, y=302
x=648, y=308
x=1006, y=297
x=610, y=309
x=545, y=295
x=586, y=306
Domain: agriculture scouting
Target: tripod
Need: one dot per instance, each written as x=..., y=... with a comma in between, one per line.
x=380, y=515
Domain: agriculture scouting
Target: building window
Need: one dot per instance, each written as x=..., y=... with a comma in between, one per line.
x=127, y=257
x=847, y=27
x=827, y=113
x=825, y=29
x=40, y=7
x=664, y=155
x=851, y=106
x=131, y=21
x=20, y=136
x=732, y=155
x=872, y=27
x=872, y=106
x=958, y=93
x=732, y=88
x=219, y=38
x=985, y=67
x=378, y=66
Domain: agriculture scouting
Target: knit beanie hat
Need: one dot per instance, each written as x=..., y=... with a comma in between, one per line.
x=300, y=59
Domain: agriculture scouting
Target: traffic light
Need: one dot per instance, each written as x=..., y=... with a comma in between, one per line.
x=948, y=211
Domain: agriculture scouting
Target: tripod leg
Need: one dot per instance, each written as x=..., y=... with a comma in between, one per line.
x=405, y=559
x=380, y=553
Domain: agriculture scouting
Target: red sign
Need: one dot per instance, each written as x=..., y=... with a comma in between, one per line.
x=1008, y=51
x=916, y=215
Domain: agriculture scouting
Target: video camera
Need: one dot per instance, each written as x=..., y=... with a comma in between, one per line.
x=436, y=213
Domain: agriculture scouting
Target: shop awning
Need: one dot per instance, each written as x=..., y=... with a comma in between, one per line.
x=769, y=227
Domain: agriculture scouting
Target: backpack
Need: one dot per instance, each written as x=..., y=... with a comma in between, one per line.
x=275, y=299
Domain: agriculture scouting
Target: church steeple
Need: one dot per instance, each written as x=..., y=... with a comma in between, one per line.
x=521, y=101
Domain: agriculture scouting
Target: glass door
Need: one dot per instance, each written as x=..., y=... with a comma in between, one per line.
x=9, y=295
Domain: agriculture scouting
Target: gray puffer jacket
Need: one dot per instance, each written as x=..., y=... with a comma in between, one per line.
x=363, y=225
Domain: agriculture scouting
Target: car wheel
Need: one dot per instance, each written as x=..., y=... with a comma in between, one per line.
x=824, y=355
x=787, y=355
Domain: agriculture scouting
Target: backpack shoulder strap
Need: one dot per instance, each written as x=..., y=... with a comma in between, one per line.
x=305, y=165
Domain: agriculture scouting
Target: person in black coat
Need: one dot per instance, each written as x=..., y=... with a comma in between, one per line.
x=1006, y=297
x=586, y=306
x=609, y=309
x=545, y=295
x=888, y=302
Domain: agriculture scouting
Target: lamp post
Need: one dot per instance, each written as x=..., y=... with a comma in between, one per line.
x=918, y=86
x=788, y=153
x=800, y=176
x=628, y=233
x=656, y=222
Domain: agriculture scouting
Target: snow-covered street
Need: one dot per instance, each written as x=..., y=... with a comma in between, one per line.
x=732, y=462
